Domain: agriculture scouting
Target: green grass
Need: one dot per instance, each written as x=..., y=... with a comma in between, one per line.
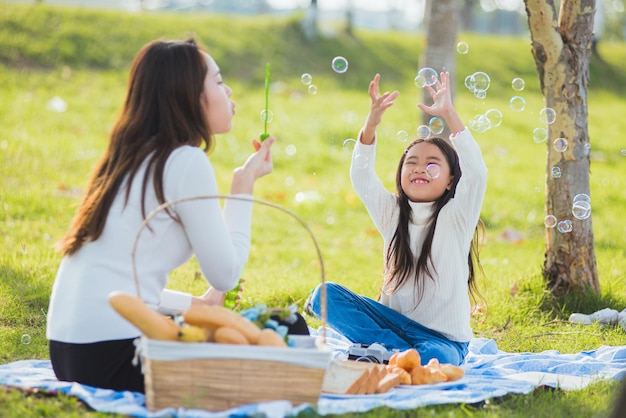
x=83, y=57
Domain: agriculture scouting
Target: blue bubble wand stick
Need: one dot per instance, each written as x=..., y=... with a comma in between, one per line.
x=265, y=135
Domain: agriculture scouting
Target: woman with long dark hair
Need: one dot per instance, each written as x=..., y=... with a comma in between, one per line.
x=176, y=102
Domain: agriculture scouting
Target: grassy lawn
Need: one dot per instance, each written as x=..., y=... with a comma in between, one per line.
x=82, y=57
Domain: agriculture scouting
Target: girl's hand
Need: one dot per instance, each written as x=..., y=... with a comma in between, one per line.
x=442, y=103
x=378, y=107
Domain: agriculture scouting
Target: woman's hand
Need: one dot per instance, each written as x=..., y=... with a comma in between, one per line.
x=257, y=165
x=442, y=103
x=210, y=297
x=378, y=107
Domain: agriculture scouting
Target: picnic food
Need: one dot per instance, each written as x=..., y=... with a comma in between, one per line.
x=409, y=361
x=200, y=323
x=152, y=324
x=214, y=317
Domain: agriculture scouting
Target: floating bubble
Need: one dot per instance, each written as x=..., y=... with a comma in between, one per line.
x=550, y=221
x=291, y=150
x=495, y=117
x=518, y=84
x=517, y=103
x=480, y=123
x=425, y=77
x=423, y=131
x=266, y=113
x=623, y=153
x=25, y=339
x=313, y=89
x=462, y=48
x=560, y=145
x=581, y=209
x=469, y=83
x=481, y=81
x=403, y=136
x=436, y=125
x=564, y=226
x=582, y=197
x=360, y=161
x=348, y=145
x=540, y=135
x=480, y=94
x=4, y=144
x=556, y=172
x=57, y=104
x=340, y=65
x=547, y=115
x=433, y=170
x=306, y=79
x=290, y=181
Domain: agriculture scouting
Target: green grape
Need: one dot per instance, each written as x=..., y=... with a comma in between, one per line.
x=231, y=300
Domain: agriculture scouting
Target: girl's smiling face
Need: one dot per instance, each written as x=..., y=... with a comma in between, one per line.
x=420, y=184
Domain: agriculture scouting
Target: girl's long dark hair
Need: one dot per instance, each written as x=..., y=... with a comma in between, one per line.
x=404, y=264
x=162, y=112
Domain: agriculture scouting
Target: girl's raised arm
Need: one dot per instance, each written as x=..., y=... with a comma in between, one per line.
x=377, y=109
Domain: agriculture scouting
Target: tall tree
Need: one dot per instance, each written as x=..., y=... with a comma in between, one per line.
x=561, y=46
x=440, y=27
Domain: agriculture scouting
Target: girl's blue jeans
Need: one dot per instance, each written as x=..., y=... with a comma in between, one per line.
x=366, y=321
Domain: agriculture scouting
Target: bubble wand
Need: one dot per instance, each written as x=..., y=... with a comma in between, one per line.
x=265, y=135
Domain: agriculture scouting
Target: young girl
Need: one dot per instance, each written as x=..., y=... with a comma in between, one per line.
x=428, y=228
x=176, y=102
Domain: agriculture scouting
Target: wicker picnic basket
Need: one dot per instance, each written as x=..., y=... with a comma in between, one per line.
x=215, y=376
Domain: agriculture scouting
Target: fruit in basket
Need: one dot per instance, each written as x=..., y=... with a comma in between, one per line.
x=192, y=334
x=151, y=323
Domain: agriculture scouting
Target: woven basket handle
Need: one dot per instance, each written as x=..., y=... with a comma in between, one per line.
x=166, y=205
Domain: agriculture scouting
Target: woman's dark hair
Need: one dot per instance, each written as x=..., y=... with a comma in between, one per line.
x=162, y=112
x=399, y=254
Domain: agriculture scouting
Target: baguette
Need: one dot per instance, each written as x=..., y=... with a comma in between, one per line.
x=151, y=323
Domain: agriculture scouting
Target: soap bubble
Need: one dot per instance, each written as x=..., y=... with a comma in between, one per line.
x=518, y=84
x=540, y=135
x=582, y=197
x=517, y=103
x=423, y=131
x=306, y=79
x=495, y=117
x=469, y=83
x=433, y=170
x=266, y=113
x=547, y=115
x=313, y=89
x=425, y=77
x=564, y=226
x=57, y=104
x=436, y=125
x=462, y=48
x=291, y=150
x=348, y=145
x=623, y=153
x=403, y=136
x=560, y=145
x=480, y=94
x=340, y=65
x=550, y=221
x=581, y=209
x=25, y=339
x=556, y=172
x=481, y=81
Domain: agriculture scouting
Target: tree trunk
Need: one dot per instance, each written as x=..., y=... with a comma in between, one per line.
x=561, y=46
x=309, y=23
x=440, y=26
